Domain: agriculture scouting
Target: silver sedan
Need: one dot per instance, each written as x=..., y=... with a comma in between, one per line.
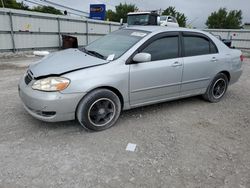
x=131, y=67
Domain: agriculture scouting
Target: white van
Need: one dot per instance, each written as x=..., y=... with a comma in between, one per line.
x=168, y=21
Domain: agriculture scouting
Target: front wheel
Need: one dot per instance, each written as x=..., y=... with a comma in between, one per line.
x=99, y=110
x=217, y=88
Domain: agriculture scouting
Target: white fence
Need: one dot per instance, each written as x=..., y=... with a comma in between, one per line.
x=25, y=30
x=240, y=37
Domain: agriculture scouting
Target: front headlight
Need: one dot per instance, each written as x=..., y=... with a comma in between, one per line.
x=51, y=84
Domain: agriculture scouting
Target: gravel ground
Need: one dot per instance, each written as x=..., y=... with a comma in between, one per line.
x=184, y=143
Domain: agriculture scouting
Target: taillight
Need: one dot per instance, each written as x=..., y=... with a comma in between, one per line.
x=241, y=57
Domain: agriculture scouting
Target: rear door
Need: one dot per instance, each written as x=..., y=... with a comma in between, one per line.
x=160, y=78
x=200, y=61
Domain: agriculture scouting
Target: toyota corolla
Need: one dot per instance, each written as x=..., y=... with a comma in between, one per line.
x=128, y=68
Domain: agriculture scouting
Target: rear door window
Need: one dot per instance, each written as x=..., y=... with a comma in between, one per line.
x=194, y=45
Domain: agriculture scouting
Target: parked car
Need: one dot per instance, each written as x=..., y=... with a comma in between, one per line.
x=168, y=21
x=128, y=68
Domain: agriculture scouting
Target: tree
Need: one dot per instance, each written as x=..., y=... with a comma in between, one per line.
x=110, y=15
x=47, y=9
x=121, y=11
x=181, y=18
x=13, y=4
x=223, y=19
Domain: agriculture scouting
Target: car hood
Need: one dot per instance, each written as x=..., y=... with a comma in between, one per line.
x=64, y=61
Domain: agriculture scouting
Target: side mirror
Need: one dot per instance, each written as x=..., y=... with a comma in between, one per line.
x=142, y=57
x=158, y=20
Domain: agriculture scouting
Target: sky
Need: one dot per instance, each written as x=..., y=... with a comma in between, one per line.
x=196, y=11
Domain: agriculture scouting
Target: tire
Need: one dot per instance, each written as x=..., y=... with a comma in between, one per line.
x=99, y=110
x=216, y=89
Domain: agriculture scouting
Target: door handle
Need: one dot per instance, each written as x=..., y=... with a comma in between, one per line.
x=214, y=59
x=176, y=64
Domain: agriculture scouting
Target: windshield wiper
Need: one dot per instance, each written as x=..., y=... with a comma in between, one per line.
x=96, y=54
x=93, y=53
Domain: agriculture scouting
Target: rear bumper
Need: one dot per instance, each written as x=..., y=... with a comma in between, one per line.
x=49, y=106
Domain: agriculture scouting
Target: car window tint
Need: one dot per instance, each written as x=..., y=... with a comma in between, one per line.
x=163, y=48
x=213, y=49
x=195, y=46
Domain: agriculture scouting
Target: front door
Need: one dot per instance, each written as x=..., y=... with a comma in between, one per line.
x=160, y=78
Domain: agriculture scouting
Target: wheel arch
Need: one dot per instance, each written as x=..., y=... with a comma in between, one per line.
x=227, y=74
x=114, y=90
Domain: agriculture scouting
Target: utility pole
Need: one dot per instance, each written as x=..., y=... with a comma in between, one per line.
x=2, y=3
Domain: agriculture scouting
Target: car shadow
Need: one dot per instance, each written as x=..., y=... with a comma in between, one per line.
x=125, y=115
x=163, y=105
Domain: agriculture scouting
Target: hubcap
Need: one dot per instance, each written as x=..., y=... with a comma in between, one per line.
x=101, y=112
x=219, y=88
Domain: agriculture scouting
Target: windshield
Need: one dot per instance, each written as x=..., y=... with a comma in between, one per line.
x=138, y=19
x=113, y=45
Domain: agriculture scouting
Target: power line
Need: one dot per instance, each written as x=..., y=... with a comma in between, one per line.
x=112, y=5
x=192, y=21
x=36, y=3
x=55, y=4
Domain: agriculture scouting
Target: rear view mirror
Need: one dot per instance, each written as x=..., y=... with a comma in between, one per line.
x=142, y=57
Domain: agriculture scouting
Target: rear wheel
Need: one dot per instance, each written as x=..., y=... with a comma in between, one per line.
x=217, y=88
x=99, y=110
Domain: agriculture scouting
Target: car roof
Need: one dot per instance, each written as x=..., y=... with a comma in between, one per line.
x=143, y=12
x=133, y=13
x=153, y=28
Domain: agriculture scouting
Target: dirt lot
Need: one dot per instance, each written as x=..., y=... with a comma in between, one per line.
x=184, y=143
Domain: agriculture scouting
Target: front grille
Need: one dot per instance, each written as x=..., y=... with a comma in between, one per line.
x=28, y=77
